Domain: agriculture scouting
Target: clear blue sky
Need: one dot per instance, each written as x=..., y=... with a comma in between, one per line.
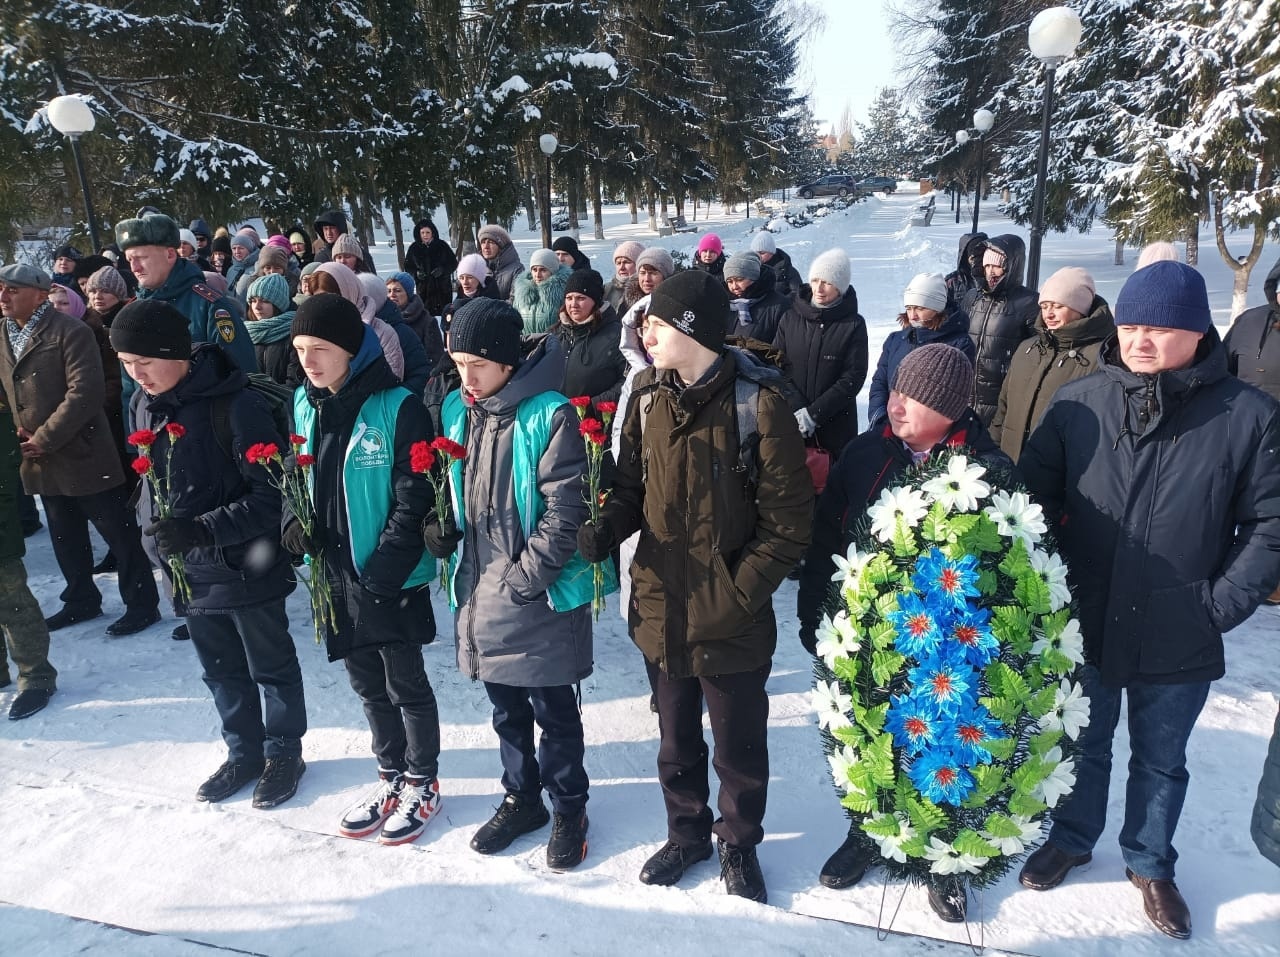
x=847, y=60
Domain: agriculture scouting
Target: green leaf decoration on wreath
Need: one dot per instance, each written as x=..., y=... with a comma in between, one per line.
x=952, y=638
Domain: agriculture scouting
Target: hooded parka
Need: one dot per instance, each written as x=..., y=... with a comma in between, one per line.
x=1000, y=319
x=431, y=265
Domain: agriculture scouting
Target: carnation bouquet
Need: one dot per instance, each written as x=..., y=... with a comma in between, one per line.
x=162, y=494
x=595, y=436
x=946, y=685
x=435, y=460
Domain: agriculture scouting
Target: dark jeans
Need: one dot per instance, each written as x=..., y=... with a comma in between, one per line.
x=28, y=513
x=558, y=763
x=399, y=705
x=739, y=709
x=1160, y=721
x=109, y=511
x=239, y=652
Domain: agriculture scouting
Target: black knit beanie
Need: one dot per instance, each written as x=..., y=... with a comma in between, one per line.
x=147, y=327
x=588, y=282
x=488, y=328
x=696, y=303
x=332, y=318
x=937, y=376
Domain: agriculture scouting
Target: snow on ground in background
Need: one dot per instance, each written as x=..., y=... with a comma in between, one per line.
x=101, y=825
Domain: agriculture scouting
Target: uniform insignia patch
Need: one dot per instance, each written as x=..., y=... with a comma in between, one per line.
x=226, y=328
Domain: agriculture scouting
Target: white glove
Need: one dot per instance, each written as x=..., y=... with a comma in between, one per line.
x=805, y=421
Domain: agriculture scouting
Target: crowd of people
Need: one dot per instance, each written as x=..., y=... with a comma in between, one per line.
x=162, y=388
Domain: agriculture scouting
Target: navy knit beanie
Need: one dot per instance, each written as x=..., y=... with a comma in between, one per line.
x=1170, y=295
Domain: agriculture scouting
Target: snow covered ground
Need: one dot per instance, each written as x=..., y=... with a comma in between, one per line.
x=105, y=850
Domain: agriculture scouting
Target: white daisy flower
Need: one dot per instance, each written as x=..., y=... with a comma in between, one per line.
x=1054, y=572
x=960, y=486
x=849, y=567
x=841, y=762
x=837, y=638
x=1010, y=846
x=1070, y=710
x=1060, y=782
x=1016, y=516
x=891, y=846
x=832, y=705
x=893, y=502
x=1070, y=643
x=947, y=860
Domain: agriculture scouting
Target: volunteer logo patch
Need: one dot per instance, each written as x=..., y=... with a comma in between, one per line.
x=371, y=449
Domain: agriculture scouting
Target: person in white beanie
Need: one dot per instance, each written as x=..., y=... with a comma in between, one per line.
x=624, y=267
x=786, y=278
x=926, y=317
x=1074, y=324
x=473, y=281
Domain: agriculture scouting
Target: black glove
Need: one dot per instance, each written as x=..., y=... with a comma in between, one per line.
x=440, y=542
x=295, y=539
x=809, y=637
x=177, y=536
x=596, y=542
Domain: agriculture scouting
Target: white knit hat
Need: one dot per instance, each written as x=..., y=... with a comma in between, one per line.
x=926, y=289
x=833, y=267
x=762, y=242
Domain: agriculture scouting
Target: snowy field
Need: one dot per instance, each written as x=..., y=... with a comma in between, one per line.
x=107, y=852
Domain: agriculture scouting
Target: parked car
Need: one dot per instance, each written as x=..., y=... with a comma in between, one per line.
x=878, y=184
x=833, y=185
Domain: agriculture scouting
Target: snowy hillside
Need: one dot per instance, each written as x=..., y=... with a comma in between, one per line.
x=101, y=824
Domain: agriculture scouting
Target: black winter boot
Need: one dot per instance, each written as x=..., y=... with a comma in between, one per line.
x=279, y=781
x=515, y=816
x=227, y=780
x=846, y=866
x=668, y=865
x=568, y=845
x=741, y=872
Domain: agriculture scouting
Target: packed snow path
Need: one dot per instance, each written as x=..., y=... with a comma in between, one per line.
x=101, y=824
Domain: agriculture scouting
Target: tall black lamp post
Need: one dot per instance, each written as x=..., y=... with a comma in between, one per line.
x=1053, y=37
x=71, y=117
x=547, y=142
x=983, y=120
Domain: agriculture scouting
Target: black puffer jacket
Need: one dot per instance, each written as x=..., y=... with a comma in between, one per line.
x=869, y=464
x=766, y=309
x=234, y=500
x=431, y=265
x=1253, y=342
x=826, y=351
x=1165, y=493
x=999, y=319
x=363, y=617
x=787, y=279
x=1266, y=810
x=964, y=278
x=594, y=364
x=424, y=326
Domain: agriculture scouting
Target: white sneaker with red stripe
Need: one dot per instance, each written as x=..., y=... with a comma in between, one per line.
x=419, y=802
x=368, y=814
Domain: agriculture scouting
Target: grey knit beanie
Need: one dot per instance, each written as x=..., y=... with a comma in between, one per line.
x=938, y=376
x=742, y=266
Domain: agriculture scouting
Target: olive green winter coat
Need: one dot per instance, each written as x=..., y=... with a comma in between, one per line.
x=1041, y=366
x=714, y=545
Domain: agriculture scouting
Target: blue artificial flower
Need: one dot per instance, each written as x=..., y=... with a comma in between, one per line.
x=948, y=581
x=940, y=776
x=943, y=682
x=913, y=723
x=918, y=625
x=969, y=733
x=969, y=631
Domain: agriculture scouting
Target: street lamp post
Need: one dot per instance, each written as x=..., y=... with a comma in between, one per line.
x=1052, y=37
x=547, y=142
x=71, y=117
x=983, y=120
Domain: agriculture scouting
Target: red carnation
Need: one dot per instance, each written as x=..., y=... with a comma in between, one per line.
x=253, y=453
x=306, y=460
x=446, y=446
x=598, y=438
x=580, y=401
x=590, y=426
x=176, y=430
x=296, y=440
x=143, y=438
x=607, y=408
x=269, y=451
x=421, y=458
x=142, y=465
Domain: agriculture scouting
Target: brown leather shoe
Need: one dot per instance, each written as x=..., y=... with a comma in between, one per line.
x=1048, y=867
x=1164, y=905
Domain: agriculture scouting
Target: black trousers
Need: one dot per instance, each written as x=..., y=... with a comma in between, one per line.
x=399, y=705
x=69, y=517
x=739, y=709
x=557, y=765
x=251, y=648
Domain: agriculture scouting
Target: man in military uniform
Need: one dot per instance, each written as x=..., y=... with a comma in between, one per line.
x=150, y=244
